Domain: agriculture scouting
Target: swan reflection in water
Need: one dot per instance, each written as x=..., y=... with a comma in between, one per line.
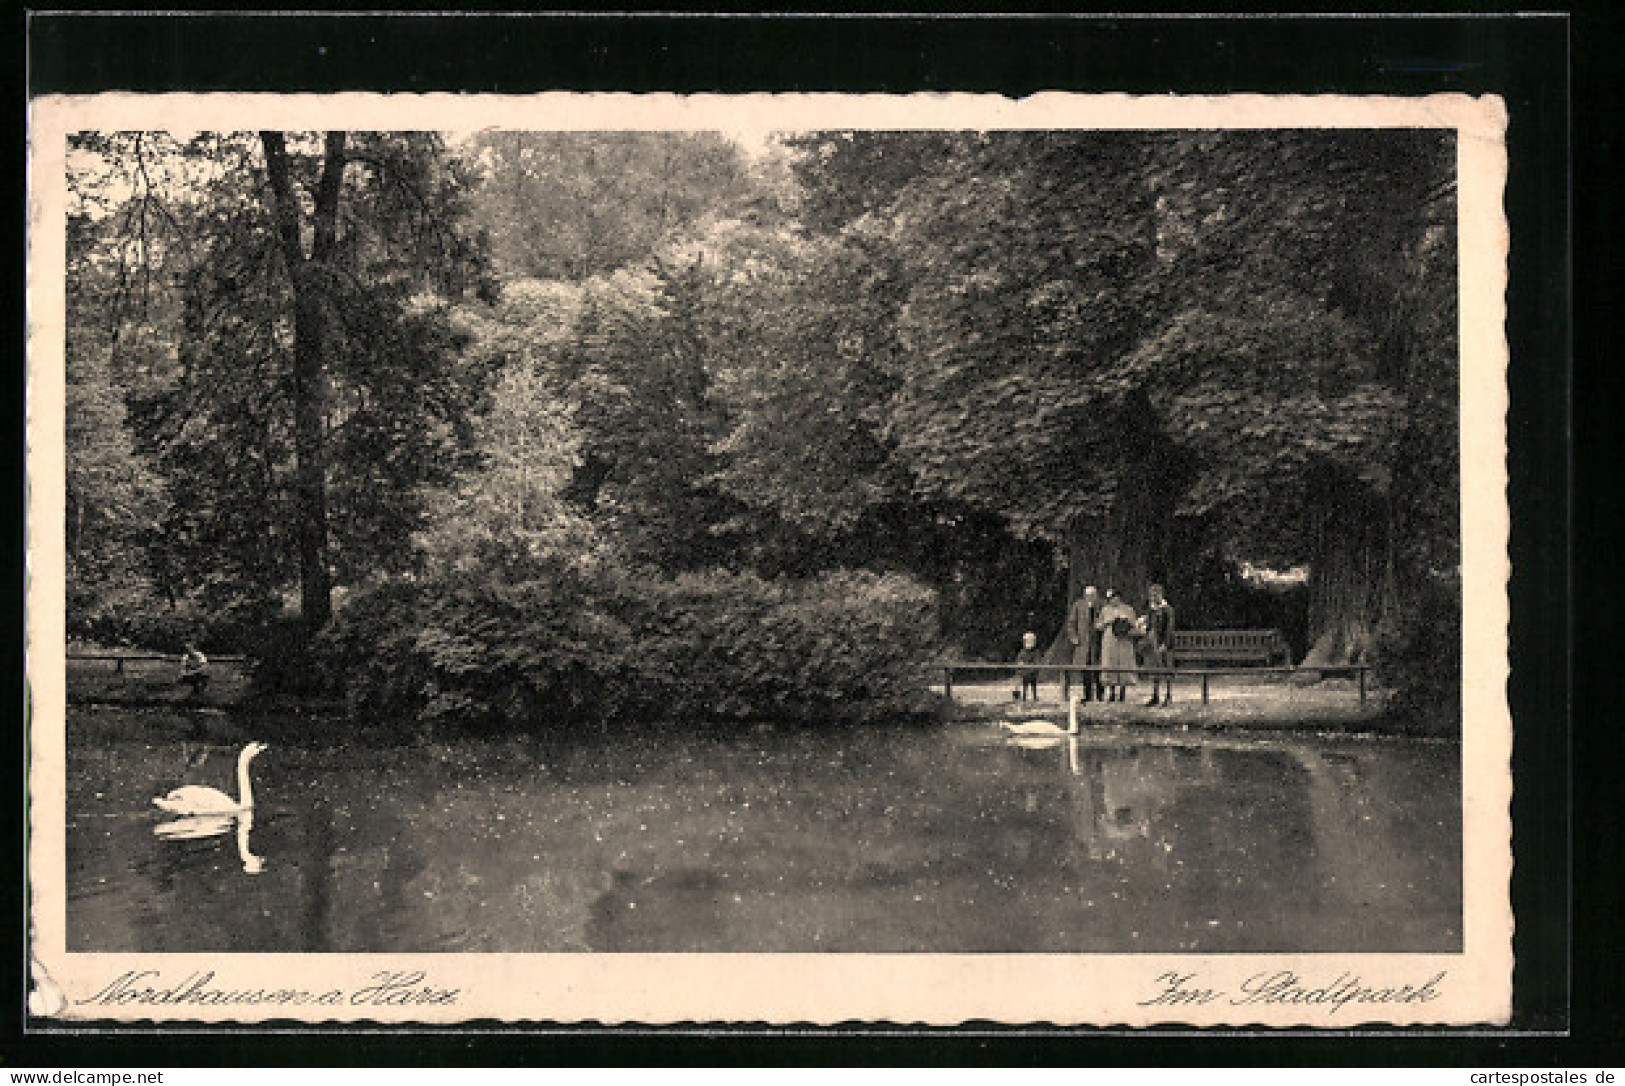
x=195, y=827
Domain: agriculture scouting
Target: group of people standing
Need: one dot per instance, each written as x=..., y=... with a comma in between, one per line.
x=1106, y=633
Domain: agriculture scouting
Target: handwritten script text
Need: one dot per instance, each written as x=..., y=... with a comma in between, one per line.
x=1284, y=987
x=149, y=988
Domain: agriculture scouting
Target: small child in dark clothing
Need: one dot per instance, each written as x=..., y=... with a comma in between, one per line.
x=1029, y=654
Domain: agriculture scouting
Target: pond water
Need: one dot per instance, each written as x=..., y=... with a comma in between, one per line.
x=953, y=839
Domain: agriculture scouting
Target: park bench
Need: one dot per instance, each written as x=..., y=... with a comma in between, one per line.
x=1231, y=646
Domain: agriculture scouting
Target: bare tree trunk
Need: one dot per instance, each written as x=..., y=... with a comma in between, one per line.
x=308, y=278
x=1351, y=580
x=1111, y=551
x=310, y=471
x=1118, y=549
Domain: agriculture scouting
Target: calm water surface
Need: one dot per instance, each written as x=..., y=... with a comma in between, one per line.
x=945, y=840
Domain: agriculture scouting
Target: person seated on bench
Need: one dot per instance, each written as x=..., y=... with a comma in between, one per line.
x=195, y=670
x=1029, y=654
x=1159, y=641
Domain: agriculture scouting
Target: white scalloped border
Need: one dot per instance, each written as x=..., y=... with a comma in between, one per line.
x=919, y=989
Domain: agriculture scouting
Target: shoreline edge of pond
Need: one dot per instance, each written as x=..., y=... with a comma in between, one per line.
x=1296, y=716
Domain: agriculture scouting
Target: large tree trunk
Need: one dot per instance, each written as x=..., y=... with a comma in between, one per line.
x=1111, y=551
x=308, y=277
x=1351, y=580
x=1126, y=545
x=1121, y=548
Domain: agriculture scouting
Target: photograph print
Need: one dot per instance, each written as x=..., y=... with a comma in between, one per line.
x=1023, y=551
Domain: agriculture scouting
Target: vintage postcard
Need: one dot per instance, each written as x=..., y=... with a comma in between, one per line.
x=769, y=559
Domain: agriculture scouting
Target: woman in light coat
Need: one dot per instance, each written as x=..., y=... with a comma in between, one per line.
x=1116, y=625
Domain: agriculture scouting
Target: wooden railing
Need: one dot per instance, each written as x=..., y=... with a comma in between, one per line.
x=1204, y=674
x=120, y=659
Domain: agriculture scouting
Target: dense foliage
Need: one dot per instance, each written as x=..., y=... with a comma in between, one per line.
x=568, y=206
x=558, y=648
x=273, y=308
x=563, y=425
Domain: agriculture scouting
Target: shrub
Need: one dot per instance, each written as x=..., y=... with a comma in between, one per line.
x=140, y=621
x=846, y=646
x=283, y=661
x=579, y=646
x=369, y=652
x=156, y=629
x=497, y=646
x=1419, y=658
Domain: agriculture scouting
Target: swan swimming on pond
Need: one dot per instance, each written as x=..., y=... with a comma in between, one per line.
x=193, y=799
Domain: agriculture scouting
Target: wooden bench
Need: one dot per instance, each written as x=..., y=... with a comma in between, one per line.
x=1231, y=646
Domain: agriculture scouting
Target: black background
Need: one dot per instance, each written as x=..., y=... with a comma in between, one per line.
x=1562, y=1019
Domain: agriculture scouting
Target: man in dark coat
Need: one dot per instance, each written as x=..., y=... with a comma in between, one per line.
x=1080, y=630
x=1159, y=642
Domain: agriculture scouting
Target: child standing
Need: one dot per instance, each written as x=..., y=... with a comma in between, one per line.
x=1029, y=654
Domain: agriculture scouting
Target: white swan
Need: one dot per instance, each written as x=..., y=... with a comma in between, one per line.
x=194, y=799
x=1043, y=728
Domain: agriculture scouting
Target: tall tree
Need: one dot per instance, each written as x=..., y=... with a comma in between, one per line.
x=1128, y=340
x=307, y=276
x=1029, y=265
x=316, y=385
x=125, y=248
x=648, y=367
x=510, y=499
x=802, y=337
x=1316, y=271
